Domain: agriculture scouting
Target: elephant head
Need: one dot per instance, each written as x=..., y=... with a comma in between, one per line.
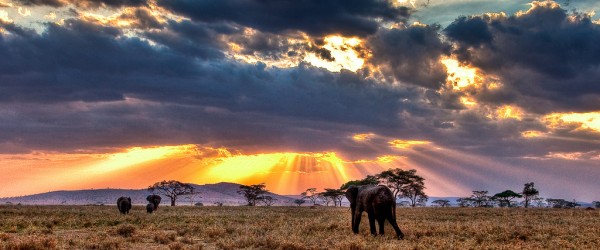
x=154, y=200
x=351, y=194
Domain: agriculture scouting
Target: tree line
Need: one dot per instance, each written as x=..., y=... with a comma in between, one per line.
x=406, y=185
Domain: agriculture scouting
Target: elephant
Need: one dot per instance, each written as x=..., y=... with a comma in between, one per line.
x=154, y=199
x=150, y=208
x=124, y=204
x=379, y=203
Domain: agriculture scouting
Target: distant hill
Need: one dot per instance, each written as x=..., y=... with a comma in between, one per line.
x=209, y=194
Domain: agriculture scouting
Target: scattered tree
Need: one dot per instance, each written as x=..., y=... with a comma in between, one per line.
x=311, y=194
x=506, y=197
x=336, y=195
x=441, y=203
x=480, y=198
x=596, y=204
x=561, y=203
x=529, y=193
x=253, y=193
x=299, y=202
x=466, y=202
x=218, y=204
x=325, y=199
x=268, y=200
x=172, y=189
x=405, y=184
x=369, y=180
x=538, y=201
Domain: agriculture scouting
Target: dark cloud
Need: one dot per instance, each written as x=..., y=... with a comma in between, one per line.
x=199, y=40
x=84, y=3
x=411, y=54
x=101, y=89
x=316, y=17
x=546, y=59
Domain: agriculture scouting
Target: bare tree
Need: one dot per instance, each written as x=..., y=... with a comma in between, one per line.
x=172, y=189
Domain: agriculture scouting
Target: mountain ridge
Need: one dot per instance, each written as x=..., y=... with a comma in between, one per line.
x=209, y=194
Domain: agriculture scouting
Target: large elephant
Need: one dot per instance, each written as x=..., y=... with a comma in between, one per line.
x=154, y=200
x=124, y=204
x=379, y=203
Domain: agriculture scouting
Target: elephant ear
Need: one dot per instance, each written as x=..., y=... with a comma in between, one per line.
x=351, y=194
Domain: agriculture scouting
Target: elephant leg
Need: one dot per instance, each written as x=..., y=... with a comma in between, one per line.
x=372, y=223
x=381, y=221
x=392, y=220
x=357, y=217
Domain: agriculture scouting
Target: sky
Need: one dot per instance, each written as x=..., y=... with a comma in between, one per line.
x=473, y=94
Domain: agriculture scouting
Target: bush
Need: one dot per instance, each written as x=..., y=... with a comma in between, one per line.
x=126, y=230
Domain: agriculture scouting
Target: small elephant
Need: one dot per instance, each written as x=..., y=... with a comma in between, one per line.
x=124, y=204
x=150, y=208
x=154, y=200
x=379, y=203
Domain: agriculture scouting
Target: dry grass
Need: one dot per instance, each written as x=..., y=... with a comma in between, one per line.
x=102, y=227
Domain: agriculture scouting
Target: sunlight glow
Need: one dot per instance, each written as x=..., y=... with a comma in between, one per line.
x=404, y=144
x=584, y=120
x=459, y=76
x=468, y=101
x=134, y=156
x=4, y=17
x=532, y=134
x=344, y=53
x=363, y=137
x=509, y=112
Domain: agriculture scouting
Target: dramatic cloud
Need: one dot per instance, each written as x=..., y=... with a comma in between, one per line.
x=84, y=62
x=83, y=3
x=316, y=17
x=545, y=58
x=411, y=54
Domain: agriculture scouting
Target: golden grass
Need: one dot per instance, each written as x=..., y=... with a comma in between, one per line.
x=102, y=227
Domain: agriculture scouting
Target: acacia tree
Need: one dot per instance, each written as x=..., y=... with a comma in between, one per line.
x=311, y=194
x=325, y=199
x=299, y=201
x=466, y=202
x=172, y=189
x=596, y=204
x=529, y=192
x=441, y=203
x=369, y=180
x=336, y=195
x=253, y=193
x=480, y=198
x=506, y=197
x=405, y=184
x=268, y=200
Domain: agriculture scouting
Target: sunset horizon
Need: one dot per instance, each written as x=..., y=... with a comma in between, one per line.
x=473, y=95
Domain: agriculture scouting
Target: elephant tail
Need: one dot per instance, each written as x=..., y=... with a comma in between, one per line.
x=394, y=210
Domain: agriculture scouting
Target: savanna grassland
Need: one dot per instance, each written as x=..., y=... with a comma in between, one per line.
x=102, y=227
